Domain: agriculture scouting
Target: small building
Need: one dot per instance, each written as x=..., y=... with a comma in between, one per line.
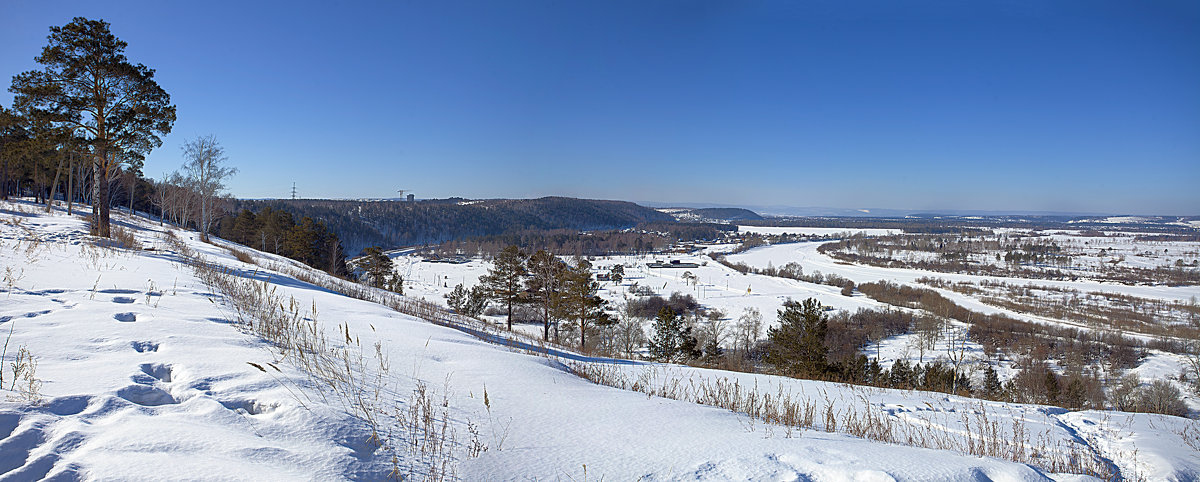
x=672, y=264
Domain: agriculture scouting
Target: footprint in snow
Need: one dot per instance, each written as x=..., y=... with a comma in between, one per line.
x=146, y=396
x=69, y=405
x=159, y=371
x=250, y=407
x=124, y=300
x=144, y=346
x=127, y=317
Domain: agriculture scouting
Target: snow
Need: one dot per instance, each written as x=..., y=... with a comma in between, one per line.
x=145, y=375
x=815, y=231
x=806, y=254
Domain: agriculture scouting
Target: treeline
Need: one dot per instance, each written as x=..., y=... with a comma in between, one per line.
x=390, y=224
x=678, y=232
x=565, y=296
x=644, y=239
x=811, y=343
x=997, y=333
x=562, y=241
x=791, y=270
x=1024, y=256
x=308, y=241
x=958, y=224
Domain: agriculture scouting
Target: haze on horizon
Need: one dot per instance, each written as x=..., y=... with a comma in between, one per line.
x=1005, y=106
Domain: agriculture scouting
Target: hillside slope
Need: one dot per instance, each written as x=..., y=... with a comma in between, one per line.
x=398, y=223
x=147, y=371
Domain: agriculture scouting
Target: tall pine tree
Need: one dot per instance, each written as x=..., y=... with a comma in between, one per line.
x=545, y=276
x=88, y=86
x=580, y=301
x=505, y=281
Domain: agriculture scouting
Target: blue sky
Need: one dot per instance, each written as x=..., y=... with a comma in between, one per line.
x=1015, y=105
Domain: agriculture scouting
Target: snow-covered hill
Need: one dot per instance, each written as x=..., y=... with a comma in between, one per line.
x=147, y=369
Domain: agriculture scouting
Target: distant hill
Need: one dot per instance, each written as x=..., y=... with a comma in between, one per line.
x=387, y=223
x=712, y=214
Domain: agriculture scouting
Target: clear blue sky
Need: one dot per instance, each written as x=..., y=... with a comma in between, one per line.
x=1014, y=105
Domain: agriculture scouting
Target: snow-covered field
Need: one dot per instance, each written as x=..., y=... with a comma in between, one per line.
x=143, y=373
x=814, y=231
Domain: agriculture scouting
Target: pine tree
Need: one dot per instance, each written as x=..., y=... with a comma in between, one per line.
x=377, y=267
x=1051, y=384
x=89, y=86
x=617, y=273
x=504, y=282
x=580, y=301
x=457, y=298
x=673, y=341
x=712, y=352
x=991, y=382
x=668, y=328
x=477, y=299
x=900, y=374
x=546, y=273
x=797, y=346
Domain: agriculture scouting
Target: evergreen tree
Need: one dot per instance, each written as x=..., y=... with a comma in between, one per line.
x=88, y=86
x=477, y=299
x=504, y=282
x=546, y=273
x=617, y=273
x=1051, y=385
x=580, y=301
x=712, y=353
x=875, y=373
x=245, y=227
x=797, y=346
x=673, y=340
x=1075, y=395
x=456, y=299
x=900, y=374
x=991, y=383
x=668, y=328
x=301, y=240
x=377, y=267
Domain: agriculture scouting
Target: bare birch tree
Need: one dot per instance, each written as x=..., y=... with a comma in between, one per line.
x=207, y=173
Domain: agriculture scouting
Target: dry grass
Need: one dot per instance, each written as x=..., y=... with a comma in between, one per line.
x=123, y=238
x=417, y=436
x=980, y=434
x=241, y=255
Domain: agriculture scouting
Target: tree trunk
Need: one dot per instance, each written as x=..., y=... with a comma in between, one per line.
x=100, y=214
x=203, y=218
x=54, y=186
x=69, y=196
x=4, y=180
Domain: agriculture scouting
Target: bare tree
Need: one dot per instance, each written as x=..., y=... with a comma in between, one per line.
x=749, y=328
x=207, y=173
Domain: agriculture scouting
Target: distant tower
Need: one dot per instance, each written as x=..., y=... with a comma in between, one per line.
x=401, y=191
x=412, y=198
x=293, y=189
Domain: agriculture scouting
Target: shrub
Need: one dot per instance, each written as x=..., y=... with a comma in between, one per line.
x=1161, y=397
